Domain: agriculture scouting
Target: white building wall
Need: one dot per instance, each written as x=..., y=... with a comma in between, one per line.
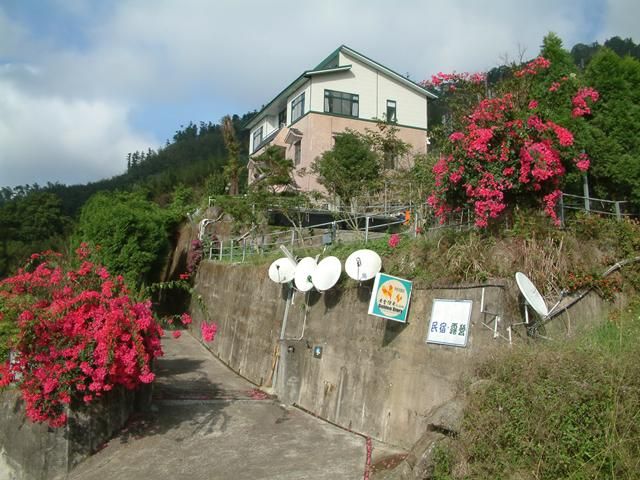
x=373, y=89
x=306, y=88
x=411, y=107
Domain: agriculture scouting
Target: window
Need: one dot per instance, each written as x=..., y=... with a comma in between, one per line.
x=341, y=103
x=257, y=138
x=297, y=107
x=391, y=111
x=297, y=152
x=282, y=118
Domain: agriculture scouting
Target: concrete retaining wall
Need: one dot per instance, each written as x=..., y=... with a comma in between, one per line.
x=30, y=451
x=375, y=376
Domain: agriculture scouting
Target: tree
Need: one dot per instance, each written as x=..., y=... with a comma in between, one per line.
x=129, y=233
x=30, y=222
x=274, y=169
x=385, y=142
x=510, y=150
x=350, y=169
x=232, y=169
x=614, y=142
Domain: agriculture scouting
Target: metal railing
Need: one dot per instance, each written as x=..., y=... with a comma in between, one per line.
x=240, y=248
x=420, y=219
x=571, y=203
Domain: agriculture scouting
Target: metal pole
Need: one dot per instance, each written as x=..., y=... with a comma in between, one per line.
x=244, y=249
x=293, y=237
x=220, y=251
x=366, y=229
x=562, y=210
x=231, y=250
x=385, y=197
x=585, y=189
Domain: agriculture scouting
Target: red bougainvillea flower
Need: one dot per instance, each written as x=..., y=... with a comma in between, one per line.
x=176, y=334
x=80, y=334
x=394, y=240
x=507, y=150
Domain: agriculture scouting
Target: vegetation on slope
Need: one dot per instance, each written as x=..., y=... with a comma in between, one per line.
x=556, y=411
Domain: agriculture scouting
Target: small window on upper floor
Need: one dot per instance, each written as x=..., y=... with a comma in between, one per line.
x=391, y=111
x=257, y=138
x=297, y=107
x=282, y=118
x=297, y=152
x=341, y=103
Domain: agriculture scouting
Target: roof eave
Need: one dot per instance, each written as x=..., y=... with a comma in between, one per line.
x=388, y=71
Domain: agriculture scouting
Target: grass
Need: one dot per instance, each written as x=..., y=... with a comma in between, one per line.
x=553, y=412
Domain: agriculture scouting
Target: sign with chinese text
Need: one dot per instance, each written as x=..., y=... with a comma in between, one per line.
x=390, y=298
x=449, y=323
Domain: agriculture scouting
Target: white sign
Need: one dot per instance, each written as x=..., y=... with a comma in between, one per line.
x=449, y=323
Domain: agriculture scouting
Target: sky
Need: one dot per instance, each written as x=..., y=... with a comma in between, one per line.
x=84, y=82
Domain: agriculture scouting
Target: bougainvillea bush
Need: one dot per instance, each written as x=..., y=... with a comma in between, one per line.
x=80, y=334
x=508, y=151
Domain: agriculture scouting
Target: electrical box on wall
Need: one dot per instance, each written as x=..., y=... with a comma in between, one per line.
x=317, y=351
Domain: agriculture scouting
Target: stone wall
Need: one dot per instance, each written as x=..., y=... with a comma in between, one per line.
x=375, y=376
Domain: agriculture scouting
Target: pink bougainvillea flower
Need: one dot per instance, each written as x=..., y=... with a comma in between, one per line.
x=208, y=331
x=176, y=334
x=394, y=240
x=186, y=319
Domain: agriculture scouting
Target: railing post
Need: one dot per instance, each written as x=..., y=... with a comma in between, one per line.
x=210, y=250
x=293, y=237
x=585, y=189
x=366, y=229
x=220, y=251
x=618, y=211
x=231, y=250
x=244, y=249
x=561, y=205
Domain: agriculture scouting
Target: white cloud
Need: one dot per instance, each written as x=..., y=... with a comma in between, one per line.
x=127, y=54
x=56, y=139
x=622, y=20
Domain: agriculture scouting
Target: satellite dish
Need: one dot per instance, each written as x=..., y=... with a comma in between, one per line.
x=531, y=294
x=304, y=272
x=327, y=273
x=282, y=270
x=363, y=265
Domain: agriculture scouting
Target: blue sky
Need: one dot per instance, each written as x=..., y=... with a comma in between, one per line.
x=83, y=82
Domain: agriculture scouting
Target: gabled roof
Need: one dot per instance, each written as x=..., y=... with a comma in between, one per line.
x=331, y=65
x=333, y=59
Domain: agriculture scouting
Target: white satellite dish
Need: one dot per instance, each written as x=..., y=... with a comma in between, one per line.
x=282, y=270
x=304, y=272
x=363, y=265
x=531, y=294
x=327, y=273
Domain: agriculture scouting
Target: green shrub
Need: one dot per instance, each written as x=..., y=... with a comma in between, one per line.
x=560, y=411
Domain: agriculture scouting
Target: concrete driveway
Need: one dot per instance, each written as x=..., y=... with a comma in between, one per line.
x=209, y=423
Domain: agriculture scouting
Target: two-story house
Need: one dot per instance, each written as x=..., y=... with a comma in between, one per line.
x=346, y=90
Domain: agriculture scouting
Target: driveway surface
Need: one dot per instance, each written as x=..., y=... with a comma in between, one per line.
x=208, y=423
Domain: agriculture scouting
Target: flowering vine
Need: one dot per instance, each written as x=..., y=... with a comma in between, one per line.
x=509, y=149
x=80, y=335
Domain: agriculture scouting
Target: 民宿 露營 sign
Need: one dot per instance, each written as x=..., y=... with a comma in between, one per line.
x=390, y=298
x=449, y=323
